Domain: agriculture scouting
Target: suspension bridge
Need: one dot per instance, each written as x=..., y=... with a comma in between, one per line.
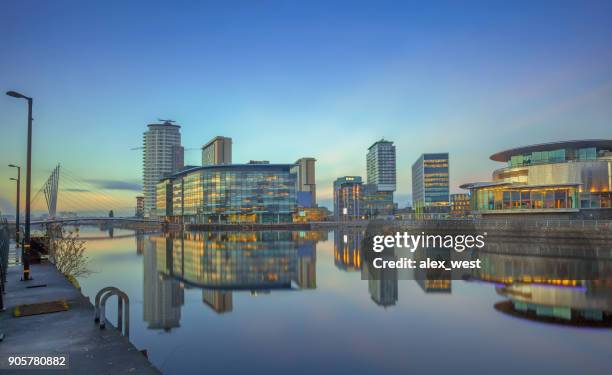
x=64, y=194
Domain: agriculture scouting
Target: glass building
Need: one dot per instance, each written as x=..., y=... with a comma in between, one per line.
x=237, y=193
x=570, y=178
x=347, y=198
x=430, y=184
x=381, y=166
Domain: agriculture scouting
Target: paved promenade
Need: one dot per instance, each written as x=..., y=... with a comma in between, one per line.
x=91, y=351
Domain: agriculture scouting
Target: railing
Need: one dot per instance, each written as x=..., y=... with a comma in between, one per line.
x=510, y=222
x=4, y=250
x=100, y=309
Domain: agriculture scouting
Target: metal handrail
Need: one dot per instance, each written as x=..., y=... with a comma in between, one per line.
x=123, y=307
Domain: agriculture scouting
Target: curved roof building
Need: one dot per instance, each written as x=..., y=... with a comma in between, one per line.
x=569, y=177
x=229, y=193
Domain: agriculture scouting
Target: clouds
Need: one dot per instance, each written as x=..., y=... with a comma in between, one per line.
x=115, y=185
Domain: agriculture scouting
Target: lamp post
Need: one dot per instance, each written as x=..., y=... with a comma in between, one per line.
x=26, y=241
x=18, y=179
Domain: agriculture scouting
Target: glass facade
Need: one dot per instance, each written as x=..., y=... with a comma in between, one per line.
x=255, y=193
x=347, y=198
x=563, y=176
x=515, y=198
x=381, y=168
x=375, y=202
x=430, y=182
x=553, y=156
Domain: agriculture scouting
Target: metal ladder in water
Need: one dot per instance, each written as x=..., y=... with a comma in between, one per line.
x=123, y=308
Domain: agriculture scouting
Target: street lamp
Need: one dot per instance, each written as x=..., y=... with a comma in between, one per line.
x=26, y=241
x=18, y=179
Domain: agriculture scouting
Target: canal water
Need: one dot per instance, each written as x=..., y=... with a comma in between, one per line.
x=295, y=302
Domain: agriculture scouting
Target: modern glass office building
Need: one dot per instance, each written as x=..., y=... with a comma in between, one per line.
x=381, y=168
x=570, y=178
x=237, y=193
x=430, y=184
x=347, y=198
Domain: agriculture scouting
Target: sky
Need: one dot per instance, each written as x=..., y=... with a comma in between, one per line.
x=287, y=79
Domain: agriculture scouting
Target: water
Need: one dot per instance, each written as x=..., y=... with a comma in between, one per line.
x=295, y=302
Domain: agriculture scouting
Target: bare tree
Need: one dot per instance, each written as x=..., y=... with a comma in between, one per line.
x=67, y=252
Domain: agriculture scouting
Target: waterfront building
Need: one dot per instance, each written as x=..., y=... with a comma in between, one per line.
x=237, y=193
x=162, y=155
x=305, y=215
x=140, y=206
x=430, y=184
x=459, y=205
x=306, y=185
x=347, y=198
x=217, y=151
x=376, y=202
x=381, y=166
x=565, y=179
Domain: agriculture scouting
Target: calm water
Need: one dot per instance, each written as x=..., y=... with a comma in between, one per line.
x=295, y=302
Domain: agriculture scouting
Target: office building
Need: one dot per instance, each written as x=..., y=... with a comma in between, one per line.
x=162, y=155
x=217, y=151
x=375, y=202
x=306, y=185
x=381, y=165
x=564, y=179
x=377, y=194
x=430, y=184
x=236, y=193
x=459, y=205
x=347, y=198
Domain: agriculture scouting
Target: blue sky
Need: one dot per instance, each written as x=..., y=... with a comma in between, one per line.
x=287, y=79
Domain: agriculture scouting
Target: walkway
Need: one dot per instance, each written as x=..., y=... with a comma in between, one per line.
x=91, y=351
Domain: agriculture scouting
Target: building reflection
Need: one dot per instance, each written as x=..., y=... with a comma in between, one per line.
x=162, y=295
x=382, y=282
x=563, y=290
x=140, y=240
x=348, y=250
x=220, y=301
x=433, y=280
x=221, y=263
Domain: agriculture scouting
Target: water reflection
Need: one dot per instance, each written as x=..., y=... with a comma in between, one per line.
x=535, y=284
x=539, y=277
x=220, y=263
x=570, y=291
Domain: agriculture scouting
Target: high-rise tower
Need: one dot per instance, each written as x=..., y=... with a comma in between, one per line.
x=162, y=155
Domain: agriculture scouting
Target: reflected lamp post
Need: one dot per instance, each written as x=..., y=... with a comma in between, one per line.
x=26, y=240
